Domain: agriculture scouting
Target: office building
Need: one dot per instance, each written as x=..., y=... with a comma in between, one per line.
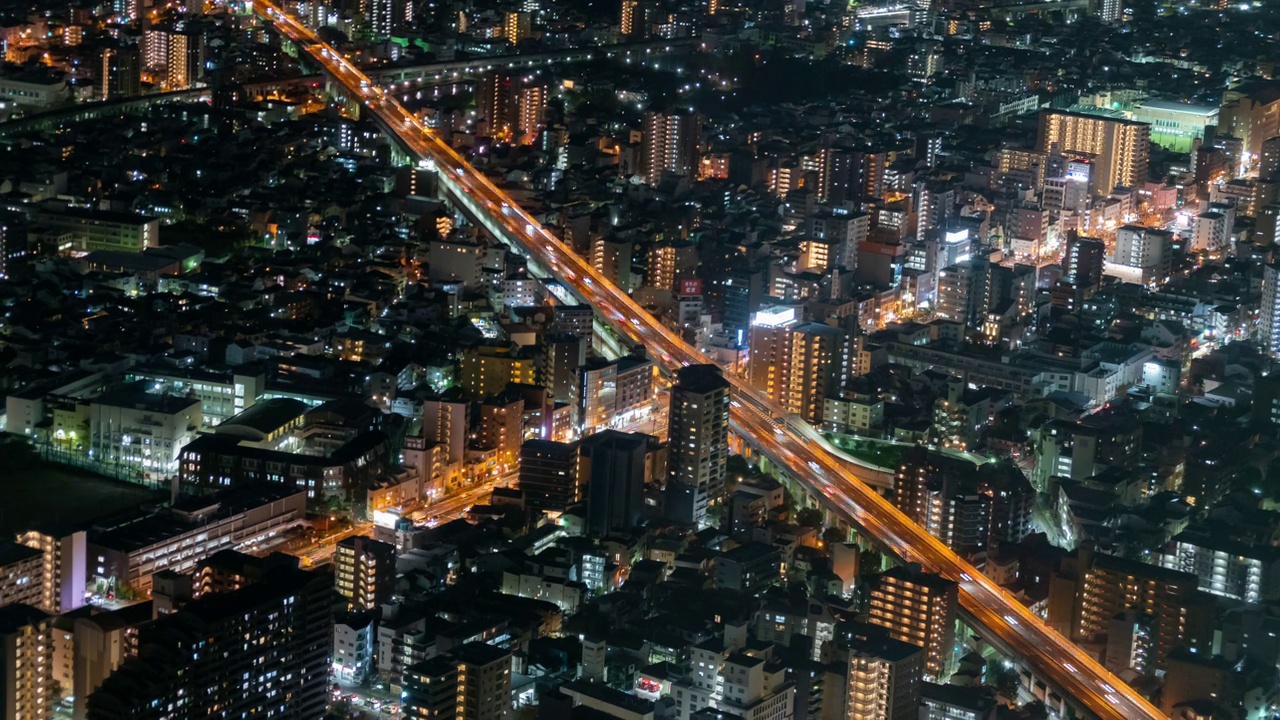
x=1118, y=150
x=919, y=608
x=21, y=575
x=471, y=682
x=612, y=469
x=614, y=392
x=698, y=423
x=196, y=663
x=549, y=479
x=364, y=572
x=92, y=230
x=670, y=145
x=26, y=663
x=1084, y=261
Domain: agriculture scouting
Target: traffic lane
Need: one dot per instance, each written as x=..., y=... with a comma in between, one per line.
x=1025, y=637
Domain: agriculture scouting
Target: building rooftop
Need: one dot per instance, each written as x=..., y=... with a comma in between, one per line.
x=267, y=416
x=12, y=552
x=17, y=615
x=134, y=395
x=611, y=696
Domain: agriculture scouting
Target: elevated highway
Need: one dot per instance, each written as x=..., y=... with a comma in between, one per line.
x=451, y=69
x=1087, y=687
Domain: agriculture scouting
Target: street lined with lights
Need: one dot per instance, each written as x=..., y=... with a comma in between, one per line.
x=1052, y=656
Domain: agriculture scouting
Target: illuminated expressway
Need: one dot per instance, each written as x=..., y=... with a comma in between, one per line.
x=765, y=425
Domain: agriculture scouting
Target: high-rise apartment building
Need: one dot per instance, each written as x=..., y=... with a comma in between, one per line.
x=670, y=145
x=1269, y=310
x=21, y=575
x=1110, y=11
x=627, y=19
x=446, y=420
x=796, y=364
x=769, y=364
x=381, y=16
x=364, y=572
x=698, y=424
x=1145, y=253
x=919, y=608
x=1085, y=261
x=883, y=676
x=670, y=262
x=515, y=107
x=501, y=429
x=516, y=26
x=186, y=58
x=101, y=643
x=197, y=663
x=121, y=75
x=488, y=369
x=818, y=365
x=471, y=682
x=963, y=292
x=1118, y=150
x=26, y=663
x=1095, y=587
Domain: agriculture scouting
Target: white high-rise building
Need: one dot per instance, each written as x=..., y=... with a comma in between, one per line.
x=1145, y=252
x=1269, y=312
